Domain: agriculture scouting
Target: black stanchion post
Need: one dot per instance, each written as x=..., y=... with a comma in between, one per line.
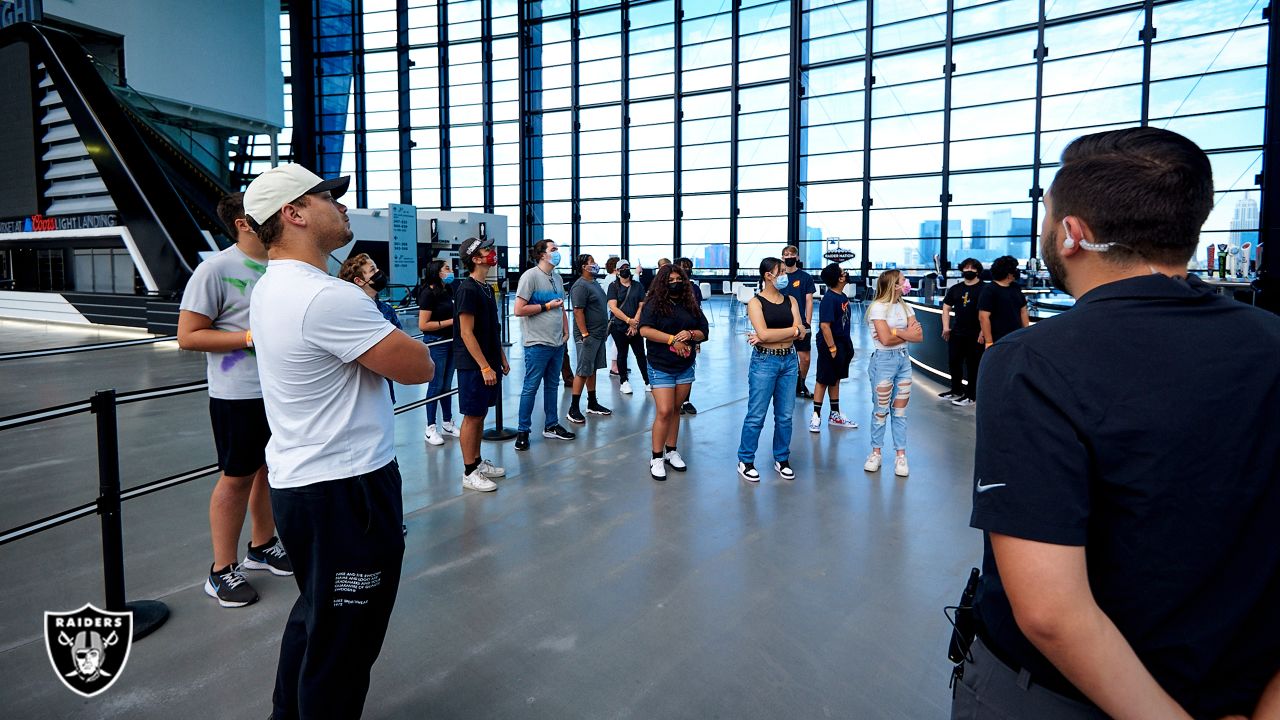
x=506, y=317
x=499, y=432
x=147, y=614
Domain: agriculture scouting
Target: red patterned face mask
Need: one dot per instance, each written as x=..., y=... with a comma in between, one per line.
x=491, y=258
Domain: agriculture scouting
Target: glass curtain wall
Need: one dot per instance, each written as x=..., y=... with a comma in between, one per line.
x=912, y=133
x=925, y=132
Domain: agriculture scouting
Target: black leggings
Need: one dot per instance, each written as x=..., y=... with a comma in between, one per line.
x=636, y=343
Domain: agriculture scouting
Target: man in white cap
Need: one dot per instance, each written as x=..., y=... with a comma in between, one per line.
x=323, y=352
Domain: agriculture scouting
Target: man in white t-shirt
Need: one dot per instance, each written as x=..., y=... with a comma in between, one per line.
x=214, y=319
x=324, y=355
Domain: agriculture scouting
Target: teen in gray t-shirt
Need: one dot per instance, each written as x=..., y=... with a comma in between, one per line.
x=588, y=296
x=220, y=289
x=538, y=288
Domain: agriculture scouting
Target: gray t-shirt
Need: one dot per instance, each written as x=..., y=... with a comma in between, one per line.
x=588, y=296
x=537, y=287
x=220, y=289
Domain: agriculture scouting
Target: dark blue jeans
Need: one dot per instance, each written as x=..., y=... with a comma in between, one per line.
x=771, y=378
x=442, y=381
x=541, y=367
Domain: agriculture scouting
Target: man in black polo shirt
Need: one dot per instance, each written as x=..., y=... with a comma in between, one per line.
x=1131, y=562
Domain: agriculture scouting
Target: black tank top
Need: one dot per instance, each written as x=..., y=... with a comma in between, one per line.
x=777, y=315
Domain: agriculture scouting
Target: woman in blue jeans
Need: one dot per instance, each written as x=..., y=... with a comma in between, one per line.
x=893, y=325
x=776, y=324
x=435, y=320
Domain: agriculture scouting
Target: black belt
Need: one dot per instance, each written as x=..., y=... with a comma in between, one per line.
x=1054, y=682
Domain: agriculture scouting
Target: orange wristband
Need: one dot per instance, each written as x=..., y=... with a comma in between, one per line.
x=248, y=338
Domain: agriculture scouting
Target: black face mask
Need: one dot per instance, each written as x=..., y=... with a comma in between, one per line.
x=378, y=282
x=675, y=288
x=970, y=274
x=790, y=262
x=625, y=273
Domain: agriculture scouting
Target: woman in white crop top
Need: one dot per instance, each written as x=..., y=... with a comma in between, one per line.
x=893, y=325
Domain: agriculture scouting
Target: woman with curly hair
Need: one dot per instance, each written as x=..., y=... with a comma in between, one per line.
x=672, y=325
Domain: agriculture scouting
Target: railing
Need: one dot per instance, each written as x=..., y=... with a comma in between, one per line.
x=148, y=614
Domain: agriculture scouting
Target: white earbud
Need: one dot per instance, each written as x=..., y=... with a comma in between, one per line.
x=1070, y=242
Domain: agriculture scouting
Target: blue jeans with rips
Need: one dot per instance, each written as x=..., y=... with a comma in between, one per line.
x=541, y=367
x=890, y=373
x=771, y=378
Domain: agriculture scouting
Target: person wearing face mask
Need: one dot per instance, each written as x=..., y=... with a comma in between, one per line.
x=1002, y=308
x=963, y=335
x=672, y=325
x=776, y=325
x=1130, y=567
x=800, y=286
x=323, y=353
x=435, y=320
x=478, y=354
x=893, y=325
x=591, y=331
x=363, y=272
x=540, y=307
x=626, y=300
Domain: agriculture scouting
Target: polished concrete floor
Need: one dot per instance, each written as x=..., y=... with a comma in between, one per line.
x=581, y=589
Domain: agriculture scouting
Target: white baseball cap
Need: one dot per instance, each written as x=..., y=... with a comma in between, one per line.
x=281, y=185
x=622, y=262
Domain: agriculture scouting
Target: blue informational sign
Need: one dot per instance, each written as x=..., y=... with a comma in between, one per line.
x=404, y=245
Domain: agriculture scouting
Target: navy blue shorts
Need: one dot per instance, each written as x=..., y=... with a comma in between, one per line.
x=474, y=397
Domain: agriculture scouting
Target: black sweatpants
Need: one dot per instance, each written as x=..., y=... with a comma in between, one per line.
x=963, y=355
x=636, y=344
x=345, y=542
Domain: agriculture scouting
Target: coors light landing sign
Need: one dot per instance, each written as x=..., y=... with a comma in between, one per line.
x=88, y=648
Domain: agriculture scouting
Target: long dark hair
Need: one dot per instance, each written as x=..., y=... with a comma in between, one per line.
x=660, y=295
x=432, y=280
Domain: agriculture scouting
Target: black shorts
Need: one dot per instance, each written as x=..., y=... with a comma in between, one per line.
x=804, y=344
x=240, y=433
x=831, y=370
x=474, y=397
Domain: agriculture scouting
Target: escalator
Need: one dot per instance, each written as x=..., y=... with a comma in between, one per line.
x=96, y=173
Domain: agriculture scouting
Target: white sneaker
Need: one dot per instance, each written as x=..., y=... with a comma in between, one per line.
x=448, y=428
x=748, y=472
x=490, y=470
x=479, y=483
x=626, y=387
x=432, y=437
x=962, y=402
x=676, y=462
x=900, y=466
x=873, y=462
x=657, y=469
x=815, y=423
x=838, y=419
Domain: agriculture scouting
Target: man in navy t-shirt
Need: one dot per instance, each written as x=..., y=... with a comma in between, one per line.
x=1126, y=480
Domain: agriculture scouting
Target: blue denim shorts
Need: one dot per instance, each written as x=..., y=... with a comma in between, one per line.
x=660, y=379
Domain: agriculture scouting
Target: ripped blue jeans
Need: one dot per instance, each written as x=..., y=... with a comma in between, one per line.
x=890, y=373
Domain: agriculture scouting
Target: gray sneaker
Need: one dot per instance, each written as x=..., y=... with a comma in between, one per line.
x=230, y=588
